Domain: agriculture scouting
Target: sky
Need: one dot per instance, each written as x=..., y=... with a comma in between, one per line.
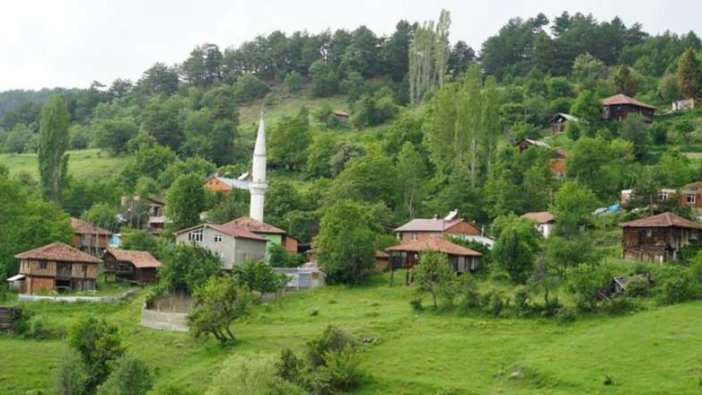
x=70, y=43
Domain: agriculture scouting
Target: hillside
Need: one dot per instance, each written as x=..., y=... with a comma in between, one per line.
x=647, y=352
x=83, y=164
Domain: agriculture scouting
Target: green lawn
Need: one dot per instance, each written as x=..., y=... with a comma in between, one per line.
x=650, y=352
x=83, y=164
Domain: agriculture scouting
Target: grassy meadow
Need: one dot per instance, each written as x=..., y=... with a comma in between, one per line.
x=649, y=352
x=82, y=164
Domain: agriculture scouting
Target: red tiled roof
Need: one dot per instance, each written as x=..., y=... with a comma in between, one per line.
x=540, y=217
x=664, y=220
x=438, y=244
x=624, y=99
x=140, y=259
x=557, y=166
x=83, y=227
x=58, y=252
x=256, y=226
x=229, y=229
x=428, y=225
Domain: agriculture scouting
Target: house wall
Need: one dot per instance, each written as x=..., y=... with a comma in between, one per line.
x=656, y=244
x=33, y=267
x=39, y=284
x=290, y=244
x=84, y=270
x=464, y=228
x=620, y=112
x=225, y=248
x=247, y=250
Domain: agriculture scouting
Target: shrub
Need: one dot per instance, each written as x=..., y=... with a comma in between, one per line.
x=254, y=375
x=416, y=304
x=293, y=81
x=98, y=343
x=260, y=277
x=677, y=284
x=566, y=315
x=584, y=281
x=289, y=366
x=72, y=375
x=638, y=287
x=521, y=300
x=340, y=374
x=332, y=340
x=130, y=377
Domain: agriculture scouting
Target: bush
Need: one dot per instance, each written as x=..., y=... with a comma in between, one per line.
x=249, y=88
x=340, y=374
x=130, y=377
x=72, y=375
x=293, y=81
x=254, y=375
x=619, y=305
x=98, y=343
x=416, y=304
x=677, y=284
x=333, y=340
x=566, y=315
x=260, y=277
x=289, y=366
x=638, y=287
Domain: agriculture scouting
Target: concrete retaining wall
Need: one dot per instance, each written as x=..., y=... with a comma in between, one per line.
x=74, y=299
x=162, y=320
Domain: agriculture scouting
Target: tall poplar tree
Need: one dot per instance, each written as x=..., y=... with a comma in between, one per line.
x=689, y=75
x=428, y=57
x=53, y=143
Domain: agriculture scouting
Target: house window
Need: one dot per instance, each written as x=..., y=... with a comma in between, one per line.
x=43, y=265
x=195, y=236
x=662, y=196
x=85, y=270
x=217, y=238
x=414, y=236
x=690, y=198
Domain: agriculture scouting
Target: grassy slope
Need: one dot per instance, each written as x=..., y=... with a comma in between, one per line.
x=89, y=163
x=649, y=352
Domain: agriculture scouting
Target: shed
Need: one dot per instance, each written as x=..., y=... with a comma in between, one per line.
x=559, y=121
x=306, y=276
x=133, y=266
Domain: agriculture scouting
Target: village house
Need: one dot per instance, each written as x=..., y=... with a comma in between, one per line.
x=617, y=108
x=271, y=233
x=406, y=255
x=528, y=143
x=691, y=195
x=155, y=211
x=89, y=238
x=559, y=122
x=662, y=195
x=420, y=229
x=225, y=184
x=234, y=244
x=658, y=238
x=682, y=105
x=138, y=267
x=544, y=221
x=57, y=267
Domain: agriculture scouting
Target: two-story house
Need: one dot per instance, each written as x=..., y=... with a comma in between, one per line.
x=57, y=266
x=234, y=244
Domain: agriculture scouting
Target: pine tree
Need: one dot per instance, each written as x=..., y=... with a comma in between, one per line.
x=53, y=143
x=689, y=75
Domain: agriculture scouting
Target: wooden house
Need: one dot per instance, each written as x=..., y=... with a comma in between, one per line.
x=155, y=211
x=658, y=238
x=89, y=238
x=420, y=229
x=617, y=108
x=131, y=266
x=543, y=220
x=234, y=244
x=528, y=143
x=406, y=255
x=559, y=122
x=58, y=266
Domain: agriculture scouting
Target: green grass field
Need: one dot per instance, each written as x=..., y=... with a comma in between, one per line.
x=650, y=352
x=89, y=163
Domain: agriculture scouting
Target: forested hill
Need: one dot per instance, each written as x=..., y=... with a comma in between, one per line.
x=429, y=121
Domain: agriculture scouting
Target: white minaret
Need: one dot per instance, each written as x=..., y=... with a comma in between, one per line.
x=258, y=185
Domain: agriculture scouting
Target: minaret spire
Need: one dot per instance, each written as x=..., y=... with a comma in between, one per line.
x=258, y=184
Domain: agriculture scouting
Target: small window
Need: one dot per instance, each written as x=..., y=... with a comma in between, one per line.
x=691, y=198
x=414, y=236
x=217, y=238
x=195, y=235
x=43, y=265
